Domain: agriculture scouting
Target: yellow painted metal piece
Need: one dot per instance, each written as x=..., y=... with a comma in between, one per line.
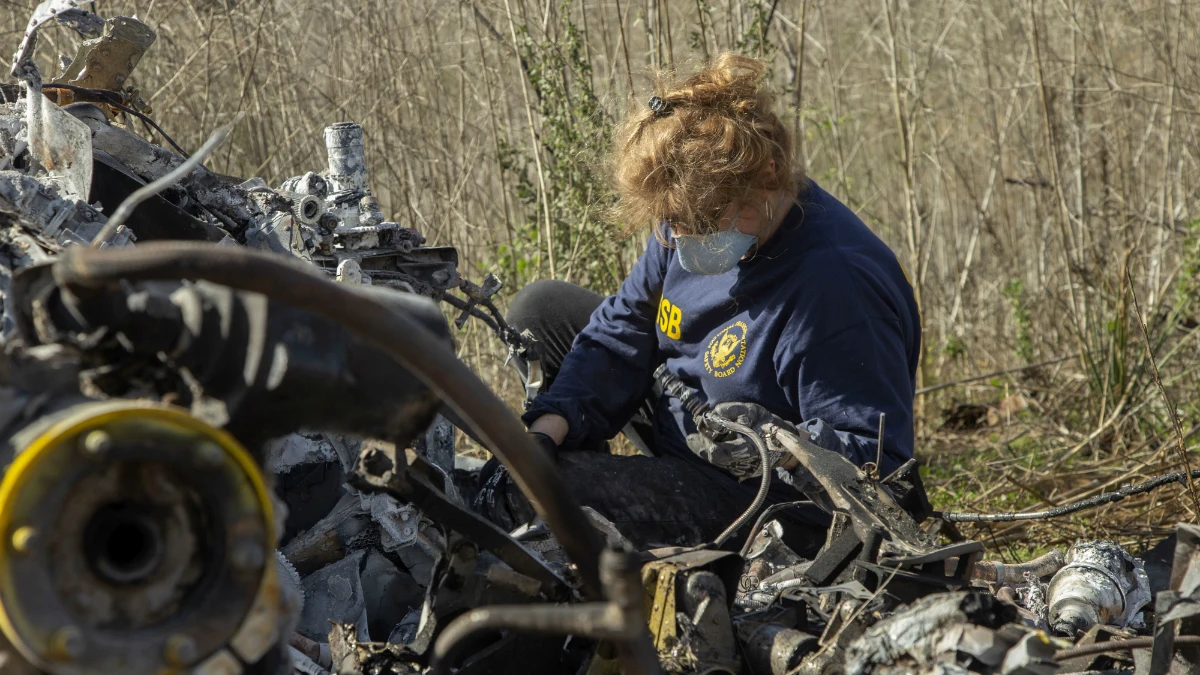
x=658, y=579
x=61, y=443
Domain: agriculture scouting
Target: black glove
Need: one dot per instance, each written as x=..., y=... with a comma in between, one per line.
x=499, y=499
x=733, y=452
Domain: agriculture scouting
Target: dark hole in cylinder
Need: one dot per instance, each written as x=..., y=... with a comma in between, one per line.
x=311, y=210
x=123, y=543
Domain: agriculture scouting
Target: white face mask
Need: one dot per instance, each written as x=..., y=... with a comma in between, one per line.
x=716, y=253
x=712, y=254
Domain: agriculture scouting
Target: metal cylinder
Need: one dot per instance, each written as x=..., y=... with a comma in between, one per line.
x=120, y=511
x=1100, y=584
x=771, y=649
x=347, y=159
x=307, y=209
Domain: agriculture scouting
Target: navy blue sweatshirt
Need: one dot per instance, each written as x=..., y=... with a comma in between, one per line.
x=820, y=327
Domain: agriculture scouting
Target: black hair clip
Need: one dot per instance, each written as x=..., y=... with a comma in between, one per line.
x=659, y=107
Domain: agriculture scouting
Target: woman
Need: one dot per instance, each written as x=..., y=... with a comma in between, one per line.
x=757, y=287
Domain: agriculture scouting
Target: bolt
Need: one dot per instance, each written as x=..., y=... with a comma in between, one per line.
x=210, y=454
x=96, y=444
x=23, y=539
x=66, y=644
x=180, y=650
x=247, y=555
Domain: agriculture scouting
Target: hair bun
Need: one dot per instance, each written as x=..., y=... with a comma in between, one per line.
x=701, y=144
x=731, y=81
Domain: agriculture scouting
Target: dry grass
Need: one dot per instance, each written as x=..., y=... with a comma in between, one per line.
x=1019, y=158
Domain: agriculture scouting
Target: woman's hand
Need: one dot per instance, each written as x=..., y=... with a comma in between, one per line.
x=551, y=425
x=735, y=453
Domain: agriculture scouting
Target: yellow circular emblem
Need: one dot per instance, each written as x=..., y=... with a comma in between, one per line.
x=726, y=350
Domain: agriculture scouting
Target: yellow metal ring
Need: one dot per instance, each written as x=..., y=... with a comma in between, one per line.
x=92, y=416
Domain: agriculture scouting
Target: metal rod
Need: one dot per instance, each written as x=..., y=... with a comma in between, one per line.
x=879, y=444
x=1119, y=646
x=996, y=572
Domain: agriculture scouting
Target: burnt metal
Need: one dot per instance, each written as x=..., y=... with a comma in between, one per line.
x=157, y=218
x=833, y=559
x=1177, y=611
x=476, y=295
x=772, y=648
x=351, y=655
x=524, y=352
x=1100, y=584
x=845, y=487
x=107, y=61
x=67, y=12
x=923, y=634
x=908, y=490
x=1162, y=650
x=381, y=471
x=996, y=572
x=620, y=620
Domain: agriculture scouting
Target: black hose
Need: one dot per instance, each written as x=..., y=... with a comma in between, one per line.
x=688, y=397
x=460, y=304
x=1066, y=509
x=763, y=488
x=762, y=518
x=408, y=342
x=701, y=412
x=110, y=97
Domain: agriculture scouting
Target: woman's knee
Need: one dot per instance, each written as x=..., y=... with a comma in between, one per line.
x=549, y=302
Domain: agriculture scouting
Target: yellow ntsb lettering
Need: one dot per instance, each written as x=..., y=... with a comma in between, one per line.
x=669, y=317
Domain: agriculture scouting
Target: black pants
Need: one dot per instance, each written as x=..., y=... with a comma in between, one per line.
x=652, y=500
x=555, y=312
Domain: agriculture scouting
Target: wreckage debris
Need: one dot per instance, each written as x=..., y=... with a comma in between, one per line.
x=1100, y=584
x=380, y=565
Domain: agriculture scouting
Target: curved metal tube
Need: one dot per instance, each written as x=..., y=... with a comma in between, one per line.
x=621, y=620
x=763, y=487
x=599, y=620
x=411, y=344
x=997, y=572
x=762, y=519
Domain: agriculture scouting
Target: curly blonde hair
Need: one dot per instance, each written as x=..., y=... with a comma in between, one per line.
x=706, y=147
